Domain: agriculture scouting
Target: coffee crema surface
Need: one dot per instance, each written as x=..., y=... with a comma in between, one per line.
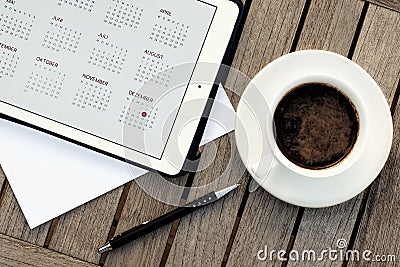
x=316, y=125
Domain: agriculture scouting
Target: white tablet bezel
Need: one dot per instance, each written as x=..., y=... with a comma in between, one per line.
x=175, y=153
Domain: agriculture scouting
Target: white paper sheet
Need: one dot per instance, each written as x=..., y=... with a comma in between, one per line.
x=50, y=176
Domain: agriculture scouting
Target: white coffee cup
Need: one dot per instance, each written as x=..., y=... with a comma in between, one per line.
x=359, y=145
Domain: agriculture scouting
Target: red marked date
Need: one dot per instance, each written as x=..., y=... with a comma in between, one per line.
x=139, y=95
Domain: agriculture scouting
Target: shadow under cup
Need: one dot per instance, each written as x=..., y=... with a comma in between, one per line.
x=343, y=163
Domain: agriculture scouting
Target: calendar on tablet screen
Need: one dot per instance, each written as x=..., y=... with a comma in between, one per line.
x=84, y=63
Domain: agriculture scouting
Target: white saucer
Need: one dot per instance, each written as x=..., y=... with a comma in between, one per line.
x=317, y=192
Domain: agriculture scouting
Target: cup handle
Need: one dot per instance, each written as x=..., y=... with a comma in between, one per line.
x=261, y=170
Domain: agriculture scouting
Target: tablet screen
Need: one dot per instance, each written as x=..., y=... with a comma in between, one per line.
x=100, y=66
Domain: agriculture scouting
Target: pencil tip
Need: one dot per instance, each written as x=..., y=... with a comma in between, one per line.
x=238, y=185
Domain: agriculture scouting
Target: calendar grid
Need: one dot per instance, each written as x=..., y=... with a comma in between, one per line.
x=153, y=70
x=123, y=14
x=60, y=38
x=92, y=95
x=169, y=32
x=74, y=60
x=108, y=56
x=85, y=5
x=8, y=64
x=16, y=23
x=45, y=81
x=138, y=114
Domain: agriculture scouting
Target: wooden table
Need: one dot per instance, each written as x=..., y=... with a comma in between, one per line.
x=232, y=231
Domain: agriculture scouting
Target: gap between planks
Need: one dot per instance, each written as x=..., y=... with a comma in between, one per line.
x=117, y=216
x=3, y=190
x=3, y=184
x=175, y=224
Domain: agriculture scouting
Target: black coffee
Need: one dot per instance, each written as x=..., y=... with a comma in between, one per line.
x=316, y=125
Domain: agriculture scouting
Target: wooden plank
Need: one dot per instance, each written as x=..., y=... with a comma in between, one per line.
x=378, y=48
x=391, y=4
x=379, y=229
x=13, y=223
x=80, y=232
x=202, y=238
x=330, y=25
x=141, y=207
x=14, y=252
x=323, y=29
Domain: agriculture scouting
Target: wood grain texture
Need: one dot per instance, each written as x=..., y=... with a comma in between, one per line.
x=330, y=25
x=80, y=232
x=13, y=223
x=391, y=4
x=14, y=252
x=379, y=229
x=140, y=207
x=202, y=237
x=378, y=51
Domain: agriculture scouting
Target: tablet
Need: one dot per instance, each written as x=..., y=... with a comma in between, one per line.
x=124, y=78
